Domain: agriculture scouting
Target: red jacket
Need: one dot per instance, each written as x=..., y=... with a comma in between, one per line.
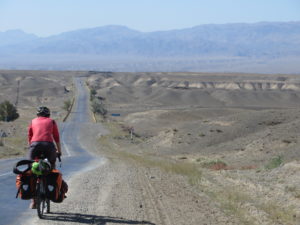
x=43, y=129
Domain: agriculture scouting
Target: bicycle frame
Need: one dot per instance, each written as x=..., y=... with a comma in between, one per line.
x=42, y=202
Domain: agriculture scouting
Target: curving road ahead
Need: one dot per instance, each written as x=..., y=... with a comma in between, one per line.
x=75, y=158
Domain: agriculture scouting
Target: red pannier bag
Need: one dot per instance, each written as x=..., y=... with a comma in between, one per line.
x=25, y=180
x=26, y=183
x=56, y=187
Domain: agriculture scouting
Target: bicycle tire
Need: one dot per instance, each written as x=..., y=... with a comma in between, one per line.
x=42, y=204
x=48, y=205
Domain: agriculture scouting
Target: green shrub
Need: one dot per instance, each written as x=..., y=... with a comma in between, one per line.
x=8, y=112
x=93, y=93
x=67, y=105
x=98, y=107
x=274, y=162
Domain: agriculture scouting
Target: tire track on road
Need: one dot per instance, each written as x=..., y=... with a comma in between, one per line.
x=156, y=204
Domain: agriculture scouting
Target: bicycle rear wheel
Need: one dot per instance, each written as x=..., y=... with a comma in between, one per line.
x=42, y=204
x=48, y=205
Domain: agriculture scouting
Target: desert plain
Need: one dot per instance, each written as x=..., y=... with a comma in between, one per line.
x=181, y=148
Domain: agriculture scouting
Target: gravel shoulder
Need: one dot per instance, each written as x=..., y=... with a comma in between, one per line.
x=118, y=193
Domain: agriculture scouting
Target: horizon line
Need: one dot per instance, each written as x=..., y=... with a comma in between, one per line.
x=125, y=26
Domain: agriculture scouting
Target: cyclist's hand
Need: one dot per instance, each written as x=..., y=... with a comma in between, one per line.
x=58, y=155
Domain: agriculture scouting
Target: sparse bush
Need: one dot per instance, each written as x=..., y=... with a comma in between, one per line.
x=97, y=104
x=93, y=93
x=67, y=105
x=274, y=162
x=217, y=130
x=293, y=190
x=8, y=112
x=286, y=141
x=215, y=165
x=270, y=123
x=182, y=157
x=98, y=107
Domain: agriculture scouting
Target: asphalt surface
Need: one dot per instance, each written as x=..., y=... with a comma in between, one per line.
x=75, y=158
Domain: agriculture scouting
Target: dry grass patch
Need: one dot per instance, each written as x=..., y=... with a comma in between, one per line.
x=15, y=143
x=230, y=202
x=248, y=208
x=294, y=190
x=277, y=213
x=182, y=168
x=108, y=144
x=230, y=196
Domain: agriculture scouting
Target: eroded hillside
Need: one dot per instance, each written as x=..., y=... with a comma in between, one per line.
x=197, y=90
x=238, y=132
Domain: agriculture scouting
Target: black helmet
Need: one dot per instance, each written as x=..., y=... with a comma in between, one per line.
x=43, y=111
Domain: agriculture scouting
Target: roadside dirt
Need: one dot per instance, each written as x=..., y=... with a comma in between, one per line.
x=118, y=193
x=124, y=192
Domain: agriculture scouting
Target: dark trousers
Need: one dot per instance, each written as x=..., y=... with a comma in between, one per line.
x=43, y=149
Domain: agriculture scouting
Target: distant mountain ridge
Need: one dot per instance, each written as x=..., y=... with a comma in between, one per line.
x=266, y=39
x=232, y=39
x=12, y=37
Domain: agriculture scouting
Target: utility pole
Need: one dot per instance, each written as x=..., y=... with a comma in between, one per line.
x=18, y=91
x=1, y=141
x=131, y=133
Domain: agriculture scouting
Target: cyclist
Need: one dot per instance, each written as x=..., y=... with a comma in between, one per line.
x=43, y=138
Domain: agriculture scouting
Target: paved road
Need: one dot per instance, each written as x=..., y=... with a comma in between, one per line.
x=75, y=158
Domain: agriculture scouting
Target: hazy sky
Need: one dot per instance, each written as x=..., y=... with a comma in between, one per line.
x=48, y=17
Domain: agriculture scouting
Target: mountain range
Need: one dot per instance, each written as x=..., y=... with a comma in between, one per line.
x=234, y=42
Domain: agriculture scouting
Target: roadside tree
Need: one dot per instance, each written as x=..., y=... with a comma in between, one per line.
x=67, y=105
x=8, y=112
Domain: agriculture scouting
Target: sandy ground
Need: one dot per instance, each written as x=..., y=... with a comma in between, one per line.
x=206, y=149
x=118, y=193
x=124, y=190
x=239, y=132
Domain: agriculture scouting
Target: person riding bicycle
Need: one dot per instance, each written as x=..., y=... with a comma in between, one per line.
x=43, y=138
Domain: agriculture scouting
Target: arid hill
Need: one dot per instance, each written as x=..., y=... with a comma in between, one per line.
x=235, y=136
x=27, y=90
